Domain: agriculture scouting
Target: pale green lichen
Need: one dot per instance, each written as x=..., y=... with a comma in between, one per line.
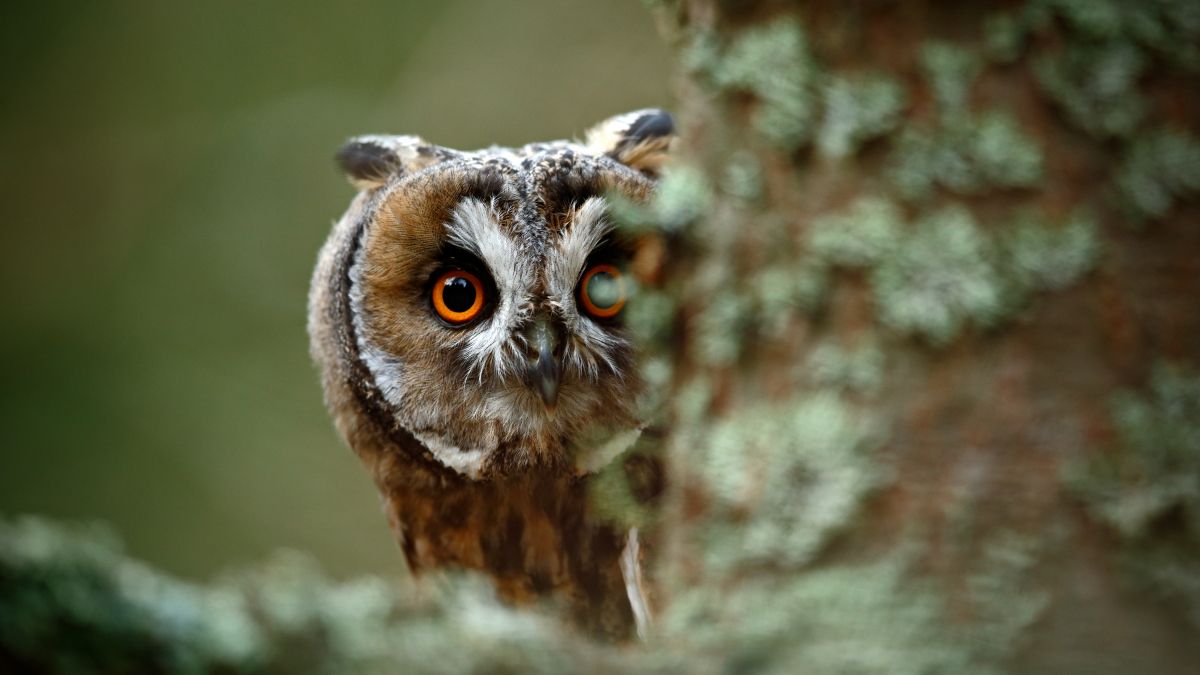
x=775, y=298
x=963, y=152
x=1169, y=570
x=1159, y=169
x=719, y=327
x=1003, y=602
x=1001, y=153
x=701, y=55
x=683, y=195
x=950, y=71
x=1094, y=18
x=773, y=63
x=1155, y=467
x=858, y=236
x=1004, y=37
x=940, y=279
x=858, y=110
x=1040, y=256
x=743, y=177
x=650, y=314
x=966, y=155
x=656, y=370
x=866, y=619
x=809, y=283
x=944, y=272
x=1102, y=49
x=1096, y=85
x=800, y=469
x=57, y=581
x=1171, y=28
x=857, y=369
x=630, y=216
x=692, y=400
x=611, y=494
x=73, y=603
x=782, y=291
x=1147, y=486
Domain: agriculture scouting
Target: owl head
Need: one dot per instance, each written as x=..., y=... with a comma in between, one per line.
x=468, y=307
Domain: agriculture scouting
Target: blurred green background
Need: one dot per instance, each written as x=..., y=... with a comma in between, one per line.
x=167, y=179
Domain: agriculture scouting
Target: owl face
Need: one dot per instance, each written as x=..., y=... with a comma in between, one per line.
x=486, y=291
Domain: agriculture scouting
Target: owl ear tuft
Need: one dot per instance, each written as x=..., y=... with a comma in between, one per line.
x=640, y=140
x=369, y=161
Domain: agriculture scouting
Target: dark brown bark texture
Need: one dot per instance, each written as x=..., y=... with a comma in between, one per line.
x=932, y=360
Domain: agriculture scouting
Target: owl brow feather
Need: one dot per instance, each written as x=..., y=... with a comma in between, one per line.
x=475, y=227
x=592, y=345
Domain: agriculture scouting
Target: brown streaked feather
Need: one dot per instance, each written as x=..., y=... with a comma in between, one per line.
x=535, y=535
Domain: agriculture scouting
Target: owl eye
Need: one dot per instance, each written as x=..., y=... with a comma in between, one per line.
x=602, y=291
x=457, y=296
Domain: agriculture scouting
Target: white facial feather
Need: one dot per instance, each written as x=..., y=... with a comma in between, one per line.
x=592, y=344
x=475, y=227
x=565, y=264
x=387, y=370
x=467, y=462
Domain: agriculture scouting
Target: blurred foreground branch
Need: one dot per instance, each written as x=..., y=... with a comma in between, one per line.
x=72, y=602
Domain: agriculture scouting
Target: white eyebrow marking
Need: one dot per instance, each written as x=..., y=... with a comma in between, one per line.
x=588, y=229
x=564, y=264
x=475, y=227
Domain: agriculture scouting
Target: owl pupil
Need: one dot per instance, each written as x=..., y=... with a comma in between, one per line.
x=603, y=290
x=458, y=294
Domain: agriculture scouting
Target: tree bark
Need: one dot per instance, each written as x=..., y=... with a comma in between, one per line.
x=936, y=324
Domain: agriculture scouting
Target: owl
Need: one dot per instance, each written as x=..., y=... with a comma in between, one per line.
x=466, y=314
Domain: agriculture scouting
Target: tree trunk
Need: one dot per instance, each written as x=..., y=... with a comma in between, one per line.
x=935, y=289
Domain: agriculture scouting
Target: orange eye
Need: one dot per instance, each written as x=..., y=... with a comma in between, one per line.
x=602, y=291
x=457, y=296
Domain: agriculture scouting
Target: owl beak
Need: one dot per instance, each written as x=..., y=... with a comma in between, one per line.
x=542, y=371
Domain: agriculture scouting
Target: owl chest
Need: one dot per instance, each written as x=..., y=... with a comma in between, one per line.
x=536, y=537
